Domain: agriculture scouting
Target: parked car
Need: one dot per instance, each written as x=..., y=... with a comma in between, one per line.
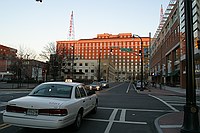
x=52, y=105
x=138, y=85
x=95, y=86
x=104, y=84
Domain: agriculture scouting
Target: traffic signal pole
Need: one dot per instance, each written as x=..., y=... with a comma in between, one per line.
x=191, y=118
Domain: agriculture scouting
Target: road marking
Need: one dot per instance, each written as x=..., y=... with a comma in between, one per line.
x=164, y=103
x=111, y=120
x=128, y=87
x=135, y=88
x=174, y=104
x=170, y=126
x=123, y=115
x=111, y=87
x=125, y=122
x=142, y=110
x=3, y=126
x=183, y=102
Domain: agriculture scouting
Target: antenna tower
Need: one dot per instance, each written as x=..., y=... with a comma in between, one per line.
x=161, y=18
x=71, y=28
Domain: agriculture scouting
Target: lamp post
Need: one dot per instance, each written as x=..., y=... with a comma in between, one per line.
x=191, y=118
x=141, y=55
x=99, y=70
x=72, y=62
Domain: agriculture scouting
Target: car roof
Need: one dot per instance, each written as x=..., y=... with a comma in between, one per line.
x=64, y=83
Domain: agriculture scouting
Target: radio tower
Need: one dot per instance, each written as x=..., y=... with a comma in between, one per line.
x=71, y=28
x=161, y=18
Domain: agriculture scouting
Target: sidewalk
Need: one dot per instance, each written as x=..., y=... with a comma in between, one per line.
x=171, y=122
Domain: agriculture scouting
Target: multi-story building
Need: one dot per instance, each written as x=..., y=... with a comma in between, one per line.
x=122, y=50
x=196, y=33
x=7, y=54
x=168, y=62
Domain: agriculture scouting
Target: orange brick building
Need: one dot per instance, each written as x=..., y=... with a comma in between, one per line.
x=7, y=54
x=122, y=49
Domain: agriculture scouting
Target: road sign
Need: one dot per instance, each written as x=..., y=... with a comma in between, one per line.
x=126, y=49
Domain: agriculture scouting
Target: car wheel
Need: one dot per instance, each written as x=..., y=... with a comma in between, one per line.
x=78, y=121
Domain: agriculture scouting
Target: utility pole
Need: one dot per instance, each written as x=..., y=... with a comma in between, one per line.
x=72, y=62
x=141, y=54
x=99, y=70
x=191, y=118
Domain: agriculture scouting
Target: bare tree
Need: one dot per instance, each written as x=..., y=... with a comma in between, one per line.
x=26, y=53
x=49, y=49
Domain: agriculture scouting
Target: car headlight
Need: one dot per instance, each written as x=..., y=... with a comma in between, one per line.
x=90, y=87
x=98, y=87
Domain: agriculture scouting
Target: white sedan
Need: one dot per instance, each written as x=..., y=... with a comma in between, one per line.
x=51, y=105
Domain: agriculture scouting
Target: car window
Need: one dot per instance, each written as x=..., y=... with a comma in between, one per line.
x=82, y=91
x=77, y=93
x=52, y=90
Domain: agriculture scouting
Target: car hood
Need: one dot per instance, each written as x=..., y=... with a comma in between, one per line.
x=34, y=102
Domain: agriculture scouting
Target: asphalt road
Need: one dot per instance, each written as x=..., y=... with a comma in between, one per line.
x=121, y=109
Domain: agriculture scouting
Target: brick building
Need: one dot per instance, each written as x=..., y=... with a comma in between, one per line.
x=7, y=54
x=122, y=50
x=168, y=62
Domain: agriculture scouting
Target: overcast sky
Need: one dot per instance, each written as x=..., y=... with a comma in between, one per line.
x=33, y=24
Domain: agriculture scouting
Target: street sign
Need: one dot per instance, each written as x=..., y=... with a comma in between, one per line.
x=126, y=49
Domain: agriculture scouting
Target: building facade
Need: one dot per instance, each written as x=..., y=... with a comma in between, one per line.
x=122, y=50
x=168, y=48
x=7, y=55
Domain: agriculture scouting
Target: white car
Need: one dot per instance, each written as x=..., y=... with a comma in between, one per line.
x=138, y=85
x=52, y=105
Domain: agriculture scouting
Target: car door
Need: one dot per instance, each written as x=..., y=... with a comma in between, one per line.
x=84, y=99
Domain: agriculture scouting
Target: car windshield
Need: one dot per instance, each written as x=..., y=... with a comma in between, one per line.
x=52, y=90
x=95, y=83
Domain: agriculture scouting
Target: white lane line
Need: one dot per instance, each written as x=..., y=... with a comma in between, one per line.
x=128, y=87
x=143, y=110
x=123, y=115
x=4, y=125
x=112, y=87
x=170, y=126
x=111, y=120
x=174, y=109
x=174, y=104
x=125, y=122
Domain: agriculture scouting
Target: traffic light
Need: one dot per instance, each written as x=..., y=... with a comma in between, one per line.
x=198, y=44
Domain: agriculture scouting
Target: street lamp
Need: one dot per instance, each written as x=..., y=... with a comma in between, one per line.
x=191, y=118
x=99, y=70
x=72, y=62
x=141, y=55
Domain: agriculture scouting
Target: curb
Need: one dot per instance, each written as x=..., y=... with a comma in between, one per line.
x=156, y=123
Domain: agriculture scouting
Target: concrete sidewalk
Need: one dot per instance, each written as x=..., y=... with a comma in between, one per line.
x=171, y=122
